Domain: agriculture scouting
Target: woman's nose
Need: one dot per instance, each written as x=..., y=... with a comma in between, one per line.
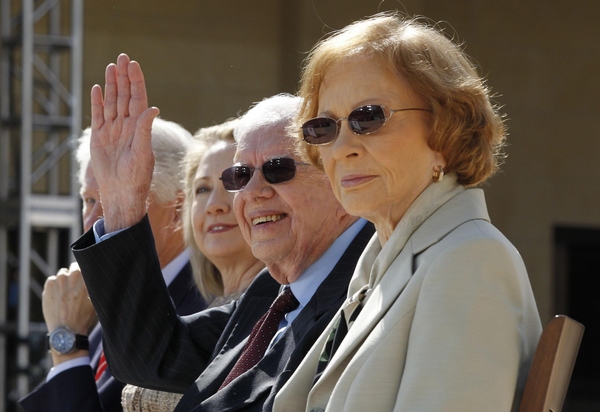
x=347, y=144
x=220, y=201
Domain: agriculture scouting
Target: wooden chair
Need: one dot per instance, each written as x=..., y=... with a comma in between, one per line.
x=552, y=365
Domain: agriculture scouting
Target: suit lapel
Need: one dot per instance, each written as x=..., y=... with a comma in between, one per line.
x=252, y=305
x=465, y=206
x=382, y=298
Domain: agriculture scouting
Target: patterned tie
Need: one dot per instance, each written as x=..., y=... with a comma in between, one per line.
x=262, y=333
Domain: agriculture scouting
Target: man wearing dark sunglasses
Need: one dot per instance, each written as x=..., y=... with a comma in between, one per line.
x=238, y=356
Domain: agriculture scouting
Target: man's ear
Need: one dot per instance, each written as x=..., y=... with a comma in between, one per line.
x=177, y=210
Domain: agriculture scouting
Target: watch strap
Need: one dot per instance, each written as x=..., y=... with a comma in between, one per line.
x=82, y=342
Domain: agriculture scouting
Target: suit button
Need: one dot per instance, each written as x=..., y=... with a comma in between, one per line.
x=317, y=410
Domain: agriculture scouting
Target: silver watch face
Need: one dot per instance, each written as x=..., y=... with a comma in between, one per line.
x=62, y=340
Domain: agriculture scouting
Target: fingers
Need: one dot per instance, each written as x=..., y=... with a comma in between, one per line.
x=138, y=106
x=110, y=93
x=139, y=97
x=124, y=92
x=116, y=91
x=144, y=123
x=65, y=301
x=97, y=107
x=123, y=85
x=142, y=143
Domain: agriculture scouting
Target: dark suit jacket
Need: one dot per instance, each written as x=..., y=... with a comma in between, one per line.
x=76, y=390
x=151, y=346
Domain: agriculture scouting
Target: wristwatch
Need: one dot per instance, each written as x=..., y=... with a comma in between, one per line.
x=63, y=340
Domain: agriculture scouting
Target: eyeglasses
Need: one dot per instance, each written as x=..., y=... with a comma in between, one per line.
x=277, y=170
x=362, y=120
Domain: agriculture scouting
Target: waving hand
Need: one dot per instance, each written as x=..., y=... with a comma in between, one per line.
x=121, y=149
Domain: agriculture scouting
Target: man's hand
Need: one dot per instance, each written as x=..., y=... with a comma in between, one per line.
x=65, y=302
x=121, y=147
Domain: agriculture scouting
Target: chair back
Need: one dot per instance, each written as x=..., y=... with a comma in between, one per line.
x=552, y=365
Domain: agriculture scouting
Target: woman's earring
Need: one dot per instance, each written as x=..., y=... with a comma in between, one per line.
x=438, y=175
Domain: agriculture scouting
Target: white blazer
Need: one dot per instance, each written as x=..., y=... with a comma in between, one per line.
x=450, y=324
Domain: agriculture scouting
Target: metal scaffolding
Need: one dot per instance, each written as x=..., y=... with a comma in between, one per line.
x=40, y=115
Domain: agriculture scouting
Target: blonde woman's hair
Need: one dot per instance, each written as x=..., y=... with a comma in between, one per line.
x=207, y=276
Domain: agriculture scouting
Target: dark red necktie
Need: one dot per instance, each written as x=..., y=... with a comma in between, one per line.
x=262, y=334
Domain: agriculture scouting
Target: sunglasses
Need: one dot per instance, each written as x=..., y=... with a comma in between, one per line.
x=277, y=170
x=362, y=120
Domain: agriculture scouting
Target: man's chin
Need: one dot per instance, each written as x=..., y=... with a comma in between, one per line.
x=270, y=250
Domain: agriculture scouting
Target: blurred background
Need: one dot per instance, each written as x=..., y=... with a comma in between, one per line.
x=206, y=61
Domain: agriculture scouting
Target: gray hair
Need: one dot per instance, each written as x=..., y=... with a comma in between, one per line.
x=281, y=108
x=82, y=154
x=169, y=143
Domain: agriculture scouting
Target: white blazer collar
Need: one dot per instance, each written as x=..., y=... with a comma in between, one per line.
x=436, y=212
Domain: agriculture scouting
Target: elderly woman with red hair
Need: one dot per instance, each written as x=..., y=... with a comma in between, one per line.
x=440, y=314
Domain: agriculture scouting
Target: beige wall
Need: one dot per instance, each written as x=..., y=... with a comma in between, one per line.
x=203, y=62
x=207, y=60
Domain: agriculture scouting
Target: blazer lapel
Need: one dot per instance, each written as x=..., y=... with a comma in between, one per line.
x=382, y=298
x=231, y=351
x=204, y=394
x=465, y=206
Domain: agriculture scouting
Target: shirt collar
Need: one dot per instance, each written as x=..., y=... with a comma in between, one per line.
x=307, y=284
x=175, y=266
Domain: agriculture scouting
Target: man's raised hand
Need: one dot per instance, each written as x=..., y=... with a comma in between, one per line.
x=121, y=147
